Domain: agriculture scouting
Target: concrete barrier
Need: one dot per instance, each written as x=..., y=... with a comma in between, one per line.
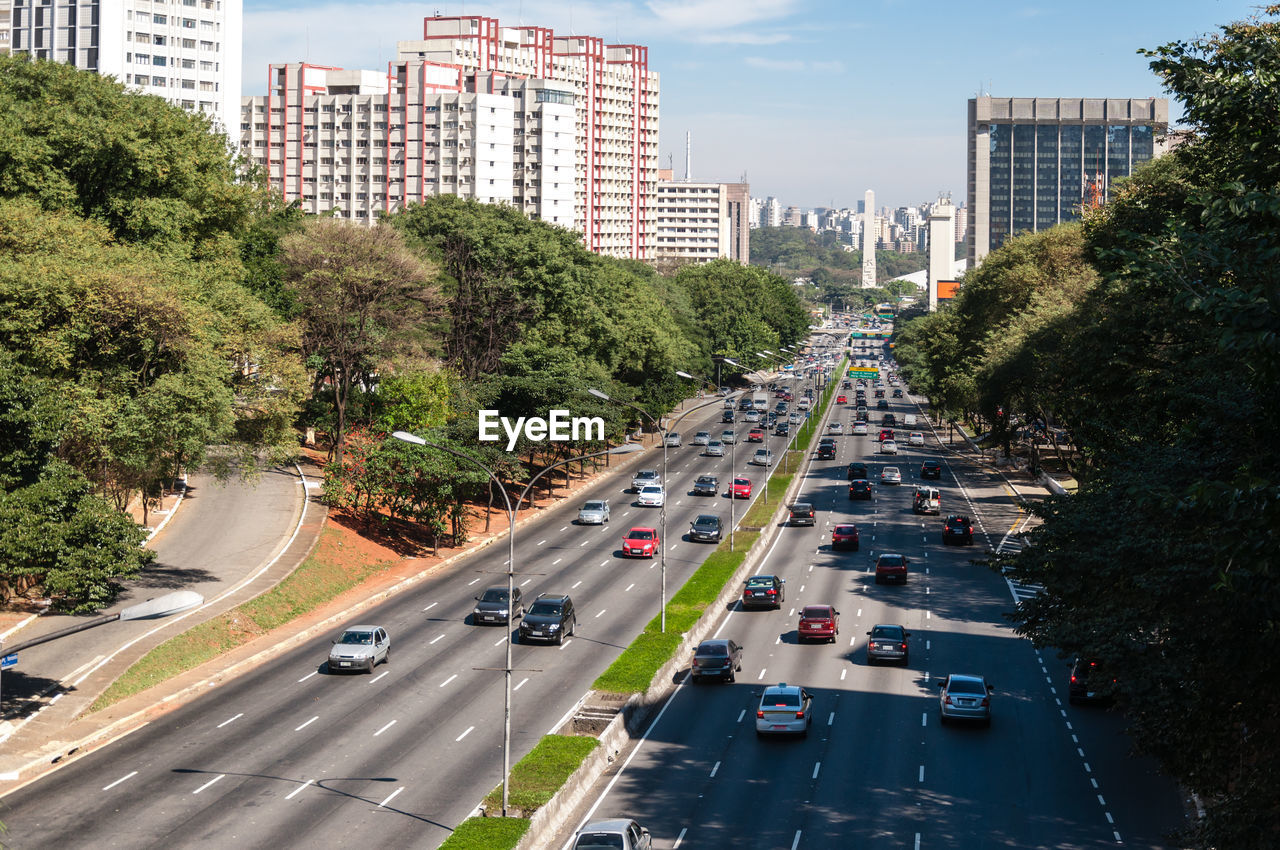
x=1052, y=485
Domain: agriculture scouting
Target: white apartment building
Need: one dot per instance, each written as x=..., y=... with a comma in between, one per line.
x=185, y=51
x=701, y=222
x=359, y=143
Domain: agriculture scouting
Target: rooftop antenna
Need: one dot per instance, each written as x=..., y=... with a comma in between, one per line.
x=688, y=155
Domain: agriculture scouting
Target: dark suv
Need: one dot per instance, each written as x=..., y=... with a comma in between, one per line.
x=1087, y=683
x=827, y=449
x=857, y=470
x=931, y=469
x=860, y=489
x=802, y=513
x=957, y=529
x=548, y=619
x=705, y=528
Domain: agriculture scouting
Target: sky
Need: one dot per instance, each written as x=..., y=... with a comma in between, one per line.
x=815, y=101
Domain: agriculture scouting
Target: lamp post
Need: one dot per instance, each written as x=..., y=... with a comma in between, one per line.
x=512, y=511
x=662, y=516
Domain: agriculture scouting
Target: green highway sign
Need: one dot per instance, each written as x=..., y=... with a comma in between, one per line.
x=860, y=372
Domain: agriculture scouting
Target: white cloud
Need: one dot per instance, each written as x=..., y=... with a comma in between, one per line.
x=719, y=14
x=835, y=67
x=742, y=38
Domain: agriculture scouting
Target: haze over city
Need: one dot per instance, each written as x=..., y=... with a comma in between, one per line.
x=814, y=101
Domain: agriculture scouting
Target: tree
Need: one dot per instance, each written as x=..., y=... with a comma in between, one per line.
x=361, y=296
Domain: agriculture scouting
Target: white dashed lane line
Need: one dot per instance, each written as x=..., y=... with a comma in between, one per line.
x=210, y=782
x=296, y=791
x=127, y=776
x=384, y=728
x=233, y=719
x=448, y=680
x=308, y=723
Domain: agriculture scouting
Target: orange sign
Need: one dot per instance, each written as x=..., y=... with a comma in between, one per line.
x=947, y=288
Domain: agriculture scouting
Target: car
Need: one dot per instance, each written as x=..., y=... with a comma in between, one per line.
x=652, y=496
x=857, y=469
x=890, y=475
x=880, y=394
x=717, y=658
x=931, y=469
x=784, y=710
x=705, y=528
x=782, y=429
x=889, y=421
x=804, y=404
x=755, y=435
x=594, y=512
x=859, y=429
x=615, y=834
x=1087, y=683
x=845, y=536
x=926, y=500
x=818, y=622
x=763, y=591
x=706, y=485
x=359, y=648
x=550, y=618
x=744, y=404
x=728, y=437
x=964, y=696
x=762, y=457
x=672, y=440
x=882, y=405
x=641, y=542
x=827, y=449
x=752, y=416
x=885, y=434
x=860, y=415
x=714, y=448
x=702, y=438
x=769, y=419
x=891, y=566
x=727, y=416
x=889, y=447
x=842, y=399
x=835, y=428
x=740, y=488
x=888, y=642
x=898, y=392
x=795, y=419
x=492, y=607
x=643, y=478
x=957, y=529
x=802, y=513
x=915, y=438
x=859, y=488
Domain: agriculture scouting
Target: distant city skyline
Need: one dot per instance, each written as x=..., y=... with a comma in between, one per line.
x=768, y=87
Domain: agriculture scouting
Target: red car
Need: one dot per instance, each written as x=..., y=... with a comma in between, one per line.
x=841, y=399
x=641, y=543
x=818, y=622
x=891, y=567
x=845, y=537
x=885, y=434
x=741, y=488
x=755, y=435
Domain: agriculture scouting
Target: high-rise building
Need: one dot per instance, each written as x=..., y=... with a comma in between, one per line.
x=962, y=222
x=869, y=239
x=185, y=51
x=1034, y=161
x=701, y=222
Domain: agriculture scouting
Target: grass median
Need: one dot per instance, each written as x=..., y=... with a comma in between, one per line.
x=320, y=578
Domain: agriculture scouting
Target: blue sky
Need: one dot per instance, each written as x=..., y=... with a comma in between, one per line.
x=815, y=100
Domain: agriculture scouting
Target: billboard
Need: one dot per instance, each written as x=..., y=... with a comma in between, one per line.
x=947, y=289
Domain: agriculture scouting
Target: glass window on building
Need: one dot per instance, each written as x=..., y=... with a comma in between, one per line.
x=1071, y=165
x=1095, y=164
x=1024, y=172
x=1118, y=164
x=1142, y=145
x=1046, y=176
x=1001, y=161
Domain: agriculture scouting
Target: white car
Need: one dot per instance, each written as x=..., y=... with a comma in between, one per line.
x=672, y=440
x=644, y=478
x=752, y=416
x=360, y=648
x=763, y=457
x=702, y=438
x=835, y=428
x=795, y=419
x=784, y=709
x=915, y=438
x=890, y=475
x=594, y=512
x=859, y=429
x=651, y=496
x=728, y=438
x=889, y=447
x=714, y=448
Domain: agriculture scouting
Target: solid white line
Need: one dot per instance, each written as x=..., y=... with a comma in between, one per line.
x=379, y=676
x=432, y=605
x=129, y=775
x=392, y=797
x=679, y=838
x=57, y=697
x=714, y=768
x=309, y=675
x=295, y=792
x=225, y=722
x=210, y=782
x=448, y=680
x=308, y=723
x=521, y=685
x=384, y=728
x=434, y=640
x=464, y=734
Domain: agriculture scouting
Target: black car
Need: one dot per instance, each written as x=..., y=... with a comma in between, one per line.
x=957, y=529
x=1087, y=683
x=717, y=658
x=763, y=592
x=782, y=429
x=706, y=527
x=859, y=488
x=880, y=394
x=888, y=643
x=706, y=485
x=827, y=448
x=549, y=618
x=727, y=417
x=802, y=513
x=491, y=607
x=889, y=421
x=857, y=470
x=931, y=469
x=882, y=404
x=897, y=393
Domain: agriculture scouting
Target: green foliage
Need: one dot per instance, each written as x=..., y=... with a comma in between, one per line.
x=538, y=776
x=486, y=834
x=836, y=272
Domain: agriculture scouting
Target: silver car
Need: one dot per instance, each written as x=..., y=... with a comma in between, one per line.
x=651, y=496
x=672, y=440
x=702, y=438
x=890, y=475
x=643, y=478
x=889, y=447
x=617, y=834
x=728, y=437
x=715, y=448
x=594, y=512
x=763, y=457
x=360, y=648
x=784, y=710
x=964, y=697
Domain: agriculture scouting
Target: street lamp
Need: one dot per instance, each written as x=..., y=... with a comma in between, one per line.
x=662, y=516
x=512, y=511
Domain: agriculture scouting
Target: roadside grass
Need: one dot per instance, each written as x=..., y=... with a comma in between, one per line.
x=318, y=580
x=486, y=834
x=537, y=776
x=761, y=512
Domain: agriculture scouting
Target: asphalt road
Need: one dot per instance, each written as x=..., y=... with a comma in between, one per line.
x=878, y=769
x=290, y=756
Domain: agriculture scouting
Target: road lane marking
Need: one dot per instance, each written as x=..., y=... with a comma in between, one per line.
x=843, y=673
x=434, y=640
x=926, y=644
x=308, y=723
x=384, y=728
x=742, y=714
x=448, y=680
x=796, y=842
x=816, y=768
x=392, y=797
x=432, y=605
x=526, y=581
x=556, y=561
x=296, y=791
x=521, y=685
x=761, y=676
x=464, y=734
x=540, y=542
x=569, y=641
x=210, y=782
x=230, y=720
x=713, y=770
x=633, y=584
x=473, y=581
x=501, y=641
x=603, y=563
x=309, y=675
x=922, y=773
x=574, y=586
x=129, y=775
x=379, y=676
x=679, y=838
x=602, y=610
x=563, y=527
x=831, y=718
x=924, y=718
x=583, y=543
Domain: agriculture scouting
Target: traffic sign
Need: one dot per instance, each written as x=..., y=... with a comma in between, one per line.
x=8, y=661
x=861, y=372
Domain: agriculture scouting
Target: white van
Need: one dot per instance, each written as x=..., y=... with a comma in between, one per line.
x=928, y=500
x=909, y=421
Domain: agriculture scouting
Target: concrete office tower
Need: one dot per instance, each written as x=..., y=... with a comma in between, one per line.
x=186, y=52
x=869, y=241
x=1034, y=160
x=942, y=248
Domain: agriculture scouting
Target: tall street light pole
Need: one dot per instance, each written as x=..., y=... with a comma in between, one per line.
x=512, y=511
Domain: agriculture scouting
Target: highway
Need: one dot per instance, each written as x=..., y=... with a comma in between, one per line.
x=878, y=769
x=288, y=756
